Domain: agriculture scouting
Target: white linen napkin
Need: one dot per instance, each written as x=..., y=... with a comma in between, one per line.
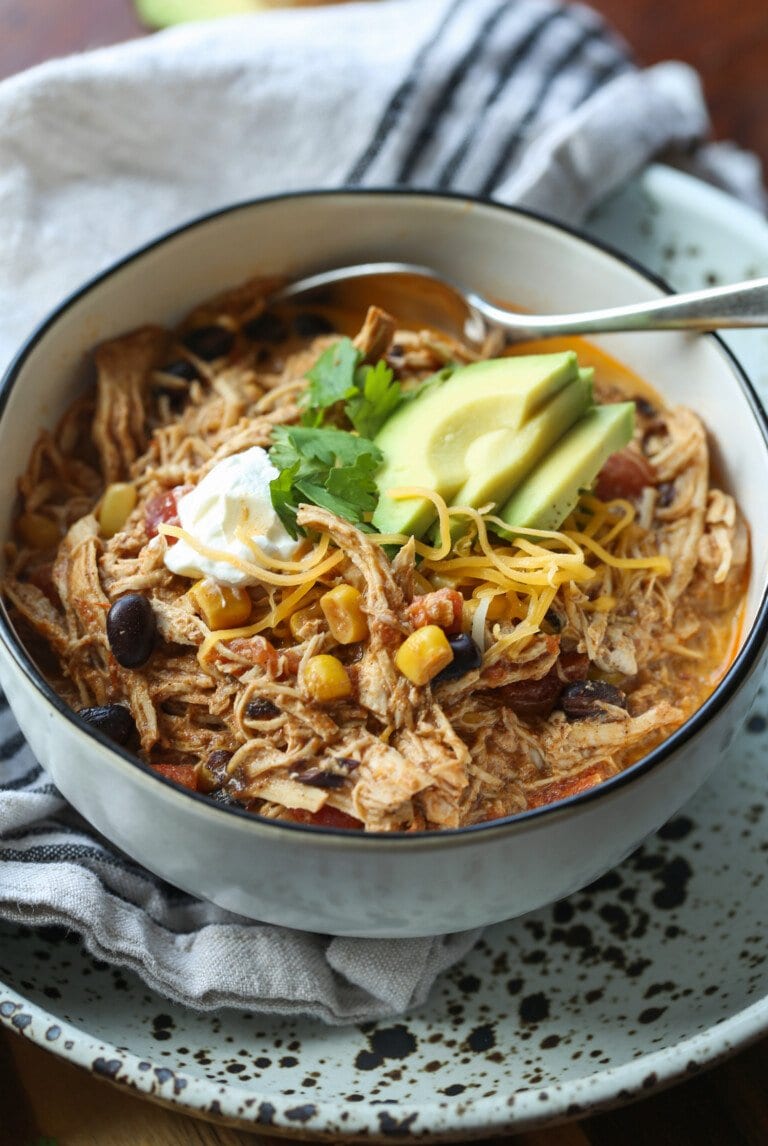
x=526, y=101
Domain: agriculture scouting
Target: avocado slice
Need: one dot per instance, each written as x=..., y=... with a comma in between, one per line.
x=550, y=491
x=428, y=442
x=515, y=453
x=161, y=13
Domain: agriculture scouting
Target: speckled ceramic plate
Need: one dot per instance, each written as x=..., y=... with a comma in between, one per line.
x=655, y=971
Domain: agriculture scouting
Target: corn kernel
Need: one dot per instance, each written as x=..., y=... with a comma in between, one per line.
x=498, y=610
x=615, y=678
x=38, y=531
x=602, y=604
x=220, y=606
x=301, y=622
x=116, y=505
x=424, y=654
x=326, y=678
x=344, y=614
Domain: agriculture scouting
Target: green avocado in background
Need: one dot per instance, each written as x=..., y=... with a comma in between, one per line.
x=161, y=13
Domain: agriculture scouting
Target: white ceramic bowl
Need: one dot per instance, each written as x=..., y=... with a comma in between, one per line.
x=342, y=882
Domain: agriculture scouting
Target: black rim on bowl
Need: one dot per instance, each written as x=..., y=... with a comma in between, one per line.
x=743, y=664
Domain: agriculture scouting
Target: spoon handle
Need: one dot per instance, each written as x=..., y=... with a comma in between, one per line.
x=739, y=305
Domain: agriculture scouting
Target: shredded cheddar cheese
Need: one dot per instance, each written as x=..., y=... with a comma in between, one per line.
x=251, y=569
x=523, y=574
x=273, y=618
x=528, y=571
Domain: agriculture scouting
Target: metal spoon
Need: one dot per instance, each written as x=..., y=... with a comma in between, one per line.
x=436, y=298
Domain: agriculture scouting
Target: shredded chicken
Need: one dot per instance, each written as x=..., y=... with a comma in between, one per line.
x=123, y=366
x=375, y=336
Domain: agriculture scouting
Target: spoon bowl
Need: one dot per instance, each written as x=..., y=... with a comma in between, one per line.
x=422, y=296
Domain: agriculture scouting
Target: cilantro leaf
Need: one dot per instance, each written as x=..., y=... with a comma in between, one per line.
x=281, y=491
x=326, y=467
x=377, y=396
x=356, y=483
x=322, y=496
x=331, y=380
x=325, y=446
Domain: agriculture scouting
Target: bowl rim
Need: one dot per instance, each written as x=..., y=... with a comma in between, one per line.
x=739, y=670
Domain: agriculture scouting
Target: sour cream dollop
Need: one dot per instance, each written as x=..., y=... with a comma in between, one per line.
x=234, y=493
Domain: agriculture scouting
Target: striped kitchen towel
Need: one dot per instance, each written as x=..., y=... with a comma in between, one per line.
x=527, y=101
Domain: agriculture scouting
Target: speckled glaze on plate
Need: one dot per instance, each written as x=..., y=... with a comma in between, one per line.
x=655, y=971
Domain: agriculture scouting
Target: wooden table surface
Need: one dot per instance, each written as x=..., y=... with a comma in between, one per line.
x=45, y=1101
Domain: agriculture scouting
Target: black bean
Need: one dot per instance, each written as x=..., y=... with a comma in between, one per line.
x=219, y=759
x=309, y=324
x=585, y=698
x=350, y=654
x=170, y=380
x=266, y=327
x=318, y=778
x=212, y=773
x=554, y=620
x=666, y=492
x=261, y=709
x=332, y=775
x=113, y=720
x=181, y=368
x=222, y=796
x=645, y=408
x=176, y=399
x=209, y=342
x=347, y=763
x=131, y=630
x=466, y=657
x=655, y=429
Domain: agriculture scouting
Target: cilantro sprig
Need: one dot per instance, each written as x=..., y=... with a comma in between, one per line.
x=326, y=467
x=331, y=380
x=377, y=397
x=370, y=393
x=324, y=464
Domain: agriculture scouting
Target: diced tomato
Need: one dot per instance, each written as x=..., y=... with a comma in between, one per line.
x=625, y=474
x=182, y=774
x=572, y=666
x=443, y=607
x=162, y=509
x=257, y=650
x=567, y=786
x=326, y=818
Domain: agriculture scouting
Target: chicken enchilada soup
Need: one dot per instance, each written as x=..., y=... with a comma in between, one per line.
x=338, y=571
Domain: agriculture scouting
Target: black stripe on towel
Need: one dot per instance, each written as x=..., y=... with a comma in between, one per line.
x=55, y=853
x=511, y=64
x=603, y=75
x=397, y=104
x=45, y=828
x=176, y=899
x=22, y=781
x=564, y=61
x=11, y=746
x=442, y=100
